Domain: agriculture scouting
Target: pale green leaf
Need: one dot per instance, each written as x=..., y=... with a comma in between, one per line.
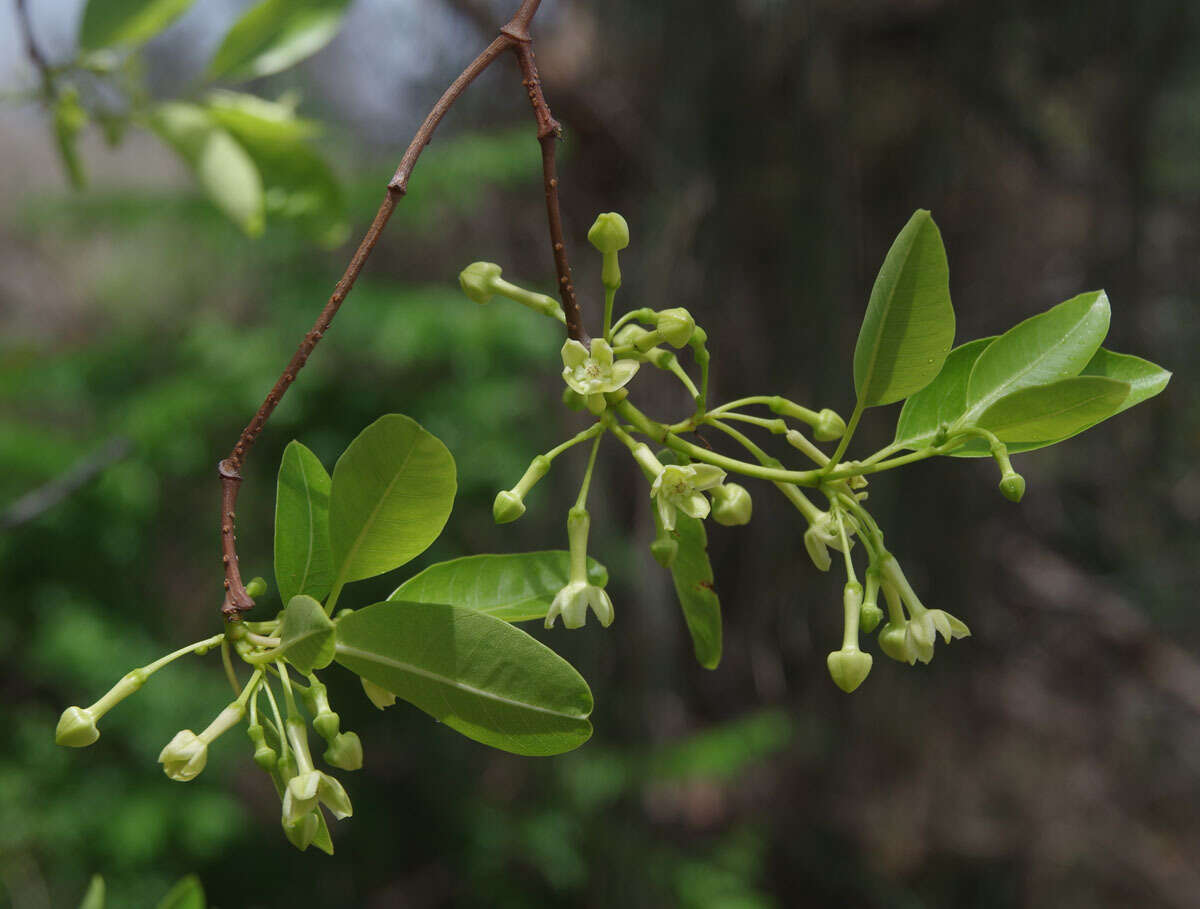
x=1049, y=412
x=298, y=184
x=94, y=897
x=306, y=635
x=1053, y=345
x=223, y=168
x=393, y=489
x=303, y=558
x=274, y=35
x=477, y=674
x=126, y=23
x=909, y=326
x=693, y=577
x=516, y=588
x=942, y=401
x=186, y=894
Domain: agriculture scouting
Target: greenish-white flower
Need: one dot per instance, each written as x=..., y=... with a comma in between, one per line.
x=679, y=487
x=593, y=374
x=184, y=756
x=305, y=790
x=574, y=601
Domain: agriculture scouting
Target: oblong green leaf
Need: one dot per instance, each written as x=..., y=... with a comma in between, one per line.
x=693, y=577
x=298, y=183
x=187, y=893
x=93, y=898
x=1145, y=380
x=477, y=674
x=515, y=588
x=909, y=326
x=126, y=23
x=1048, y=412
x=303, y=557
x=1053, y=345
x=274, y=35
x=306, y=635
x=393, y=489
x=942, y=401
x=222, y=167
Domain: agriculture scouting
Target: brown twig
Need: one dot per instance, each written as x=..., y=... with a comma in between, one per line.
x=513, y=36
x=33, y=51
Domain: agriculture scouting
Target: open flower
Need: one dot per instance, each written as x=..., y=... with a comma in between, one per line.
x=912, y=639
x=305, y=790
x=591, y=375
x=678, y=487
x=573, y=602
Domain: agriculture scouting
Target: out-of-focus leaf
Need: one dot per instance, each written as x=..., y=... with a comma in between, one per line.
x=725, y=751
x=303, y=558
x=477, y=674
x=393, y=489
x=1053, y=345
x=186, y=894
x=274, y=35
x=224, y=169
x=69, y=119
x=94, y=897
x=306, y=635
x=299, y=185
x=126, y=23
x=693, y=577
x=516, y=588
x=908, y=328
x=942, y=401
x=1055, y=411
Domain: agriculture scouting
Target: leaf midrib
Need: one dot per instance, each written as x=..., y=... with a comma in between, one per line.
x=346, y=649
x=1050, y=414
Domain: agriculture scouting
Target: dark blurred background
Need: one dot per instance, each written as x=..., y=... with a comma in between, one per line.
x=765, y=153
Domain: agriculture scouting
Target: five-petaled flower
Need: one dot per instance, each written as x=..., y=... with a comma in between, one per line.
x=573, y=601
x=678, y=487
x=591, y=375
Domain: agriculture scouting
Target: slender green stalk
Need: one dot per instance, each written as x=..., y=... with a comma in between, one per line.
x=587, y=474
x=847, y=435
x=227, y=664
x=610, y=294
x=775, y=426
x=593, y=430
x=789, y=490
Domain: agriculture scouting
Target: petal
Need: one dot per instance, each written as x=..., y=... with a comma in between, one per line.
x=601, y=605
x=694, y=505
x=304, y=787
x=958, y=628
x=596, y=404
x=921, y=628
x=706, y=476
x=601, y=352
x=622, y=372
x=573, y=354
x=941, y=623
x=333, y=796
x=575, y=384
x=666, y=512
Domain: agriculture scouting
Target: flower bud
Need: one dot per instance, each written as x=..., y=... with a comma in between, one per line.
x=326, y=724
x=1012, y=484
x=345, y=752
x=256, y=588
x=184, y=756
x=507, y=507
x=848, y=667
x=893, y=641
x=635, y=336
x=573, y=399
x=377, y=694
x=829, y=426
x=76, y=728
x=676, y=326
x=664, y=549
x=609, y=233
x=869, y=617
x=731, y=505
x=477, y=280
x=264, y=755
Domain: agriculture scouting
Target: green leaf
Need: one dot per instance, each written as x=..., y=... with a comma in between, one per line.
x=393, y=489
x=516, y=588
x=306, y=636
x=221, y=165
x=299, y=185
x=1048, y=412
x=303, y=558
x=94, y=897
x=186, y=894
x=1145, y=380
x=477, y=674
x=1053, y=345
x=127, y=23
x=909, y=325
x=693, y=579
x=274, y=35
x=942, y=401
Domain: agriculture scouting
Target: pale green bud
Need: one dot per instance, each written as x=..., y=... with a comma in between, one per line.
x=676, y=326
x=264, y=755
x=184, y=756
x=731, y=505
x=893, y=641
x=507, y=507
x=848, y=667
x=573, y=399
x=1012, y=484
x=665, y=549
x=76, y=728
x=869, y=617
x=256, y=588
x=609, y=233
x=377, y=694
x=829, y=426
x=478, y=280
x=345, y=752
x=327, y=724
